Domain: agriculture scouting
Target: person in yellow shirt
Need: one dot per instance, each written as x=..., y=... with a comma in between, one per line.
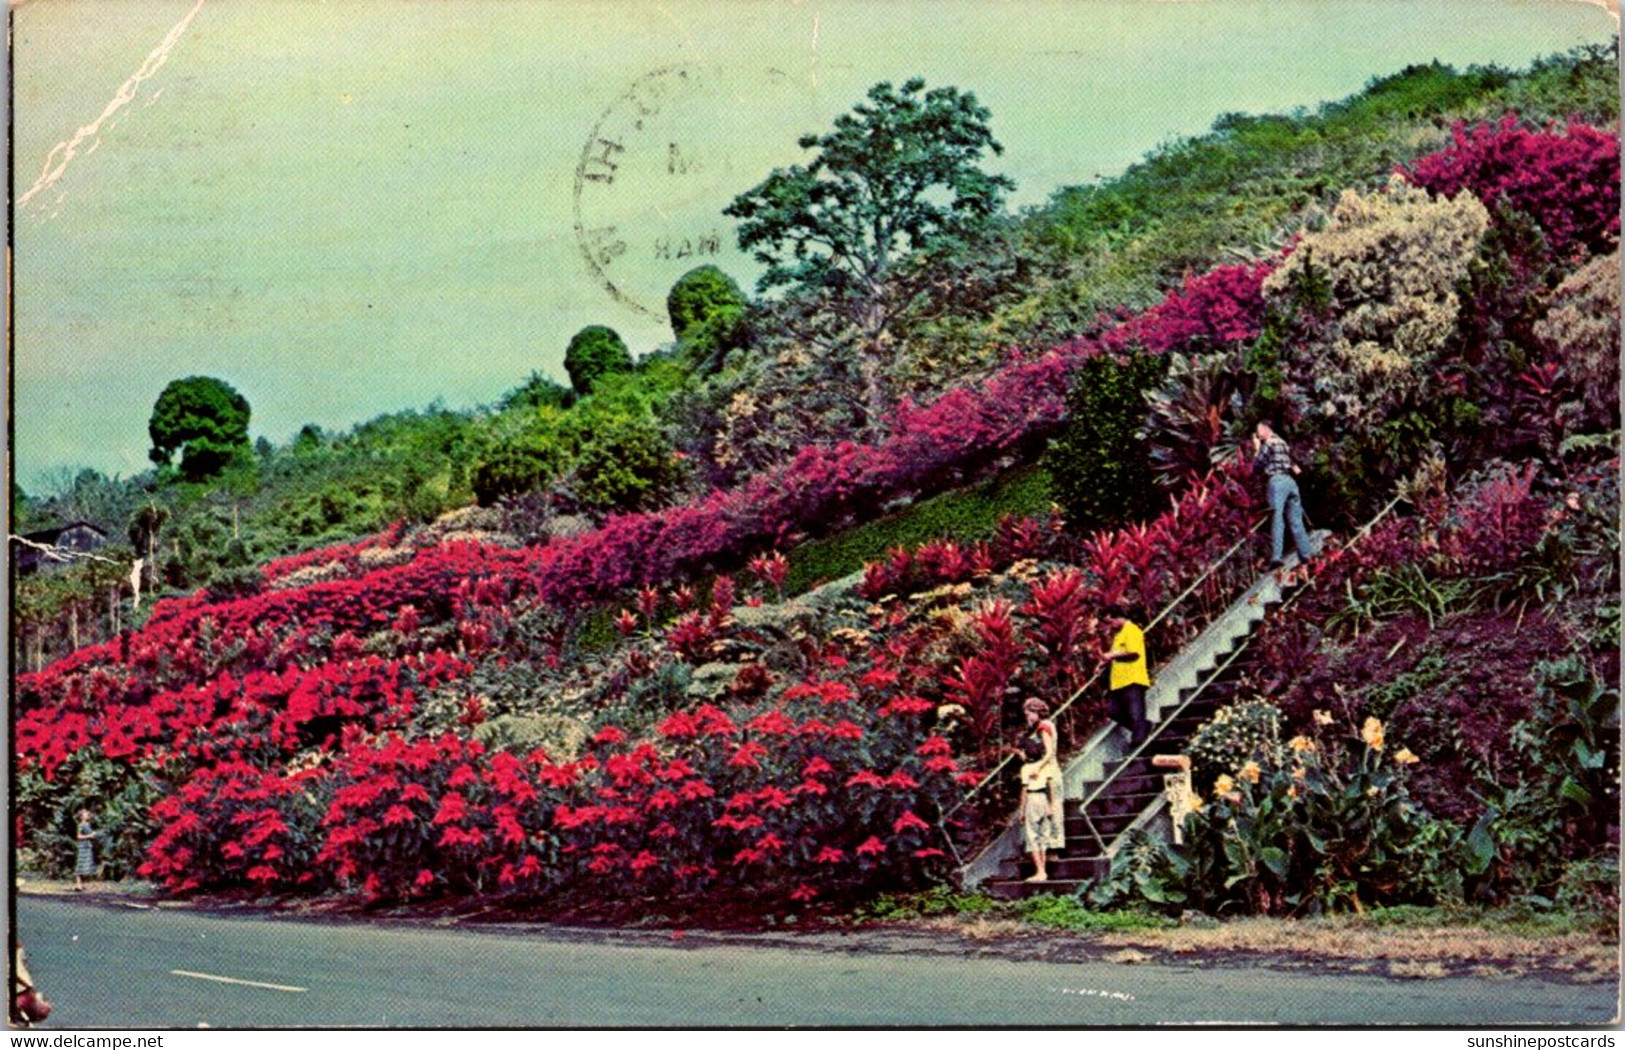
x=1130, y=678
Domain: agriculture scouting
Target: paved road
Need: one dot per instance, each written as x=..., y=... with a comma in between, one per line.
x=114, y=966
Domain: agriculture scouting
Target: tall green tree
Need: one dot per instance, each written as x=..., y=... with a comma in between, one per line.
x=898, y=177
x=205, y=420
x=595, y=351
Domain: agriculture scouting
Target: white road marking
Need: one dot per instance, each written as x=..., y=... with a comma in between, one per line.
x=237, y=980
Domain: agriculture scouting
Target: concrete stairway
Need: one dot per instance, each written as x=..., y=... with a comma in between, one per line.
x=1109, y=792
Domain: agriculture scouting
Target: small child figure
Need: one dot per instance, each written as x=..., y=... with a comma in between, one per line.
x=86, y=865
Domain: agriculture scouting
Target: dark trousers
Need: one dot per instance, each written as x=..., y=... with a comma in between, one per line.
x=1126, y=707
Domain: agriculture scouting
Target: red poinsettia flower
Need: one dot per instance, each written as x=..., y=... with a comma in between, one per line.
x=771, y=723
x=909, y=821
x=678, y=726
x=693, y=790
x=609, y=735
x=831, y=855
x=901, y=781
x=803, y=892
x=908, y=705
x=872, y=846
x=453, y=807
x=879, y=678
x=748, y=754
x=816, y=766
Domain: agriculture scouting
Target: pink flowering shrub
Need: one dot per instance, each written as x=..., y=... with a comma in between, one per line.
x=1567, y=181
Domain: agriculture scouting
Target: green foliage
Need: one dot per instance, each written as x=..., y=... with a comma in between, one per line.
x=518, y=465
x=118, y=796
x=710, y=317
x=896, y=175
x=1049, y=910
x=1334, y=828
x=626, y=464
x=1100, y=465
x=538, y=391
x=230, y=582
x=1569, y=791
x=938, y=900
x=964, y=515
x=895, y=185
x=1071, y=913
x=204, y=419
x=594, y=352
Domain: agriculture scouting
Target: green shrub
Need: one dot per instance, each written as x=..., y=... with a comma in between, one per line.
x=626, y=465
x=593, y=352
x=1071, y=913
x=515, y=467
x=538, y=391
x=709, y=317
x=1099, y=464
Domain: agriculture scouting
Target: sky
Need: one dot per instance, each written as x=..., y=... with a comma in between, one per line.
x=353, y=207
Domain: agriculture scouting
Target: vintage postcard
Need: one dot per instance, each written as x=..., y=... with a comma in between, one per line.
x=814, y=513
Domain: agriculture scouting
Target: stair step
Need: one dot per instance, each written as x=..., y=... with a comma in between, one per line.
x=1015, y=889
x=1081, y=867
x=1113, y=804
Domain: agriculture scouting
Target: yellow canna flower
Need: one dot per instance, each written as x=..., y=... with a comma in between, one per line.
x=1301, y=744
x=1250, y=772
x=1371, y=733
x=1298, y=772
x=1404, y=757
x=1194, y=801
x=1292, y=792
x=1224, y=785
x=1322, y=718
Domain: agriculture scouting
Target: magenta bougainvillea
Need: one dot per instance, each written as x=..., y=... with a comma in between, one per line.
x=1566, y=180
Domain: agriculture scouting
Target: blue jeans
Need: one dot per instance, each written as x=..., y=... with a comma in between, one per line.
x=1286, y=511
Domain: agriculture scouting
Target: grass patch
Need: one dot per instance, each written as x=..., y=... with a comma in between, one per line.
x=965, y=515
x=1070, y=913
x=1049, y=911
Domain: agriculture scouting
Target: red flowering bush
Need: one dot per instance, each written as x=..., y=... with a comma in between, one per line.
x=1567, y=181
x=287, y=735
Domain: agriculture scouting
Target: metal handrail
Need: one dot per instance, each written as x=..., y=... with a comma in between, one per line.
x=1163, y=723
x=1213, y=676
x=1085, y=687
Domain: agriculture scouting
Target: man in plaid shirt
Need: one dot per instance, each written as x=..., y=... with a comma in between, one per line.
x=1274, y=460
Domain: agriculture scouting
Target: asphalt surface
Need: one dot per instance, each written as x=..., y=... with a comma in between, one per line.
x=114, y=965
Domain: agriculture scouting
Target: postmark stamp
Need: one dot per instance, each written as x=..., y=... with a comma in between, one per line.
x=657, y=167
x=629, y=169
